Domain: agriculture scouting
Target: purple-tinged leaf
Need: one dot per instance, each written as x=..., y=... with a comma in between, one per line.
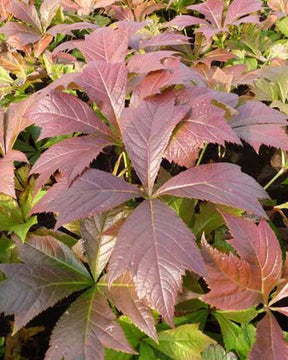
x=152, y=61
x=210, y=31
x=4, y=9
x=106, y=85
x=34, y=287
x=270, y=341
x=190, y=96
x=7, y=171
x=85, y=328
x=124, y=297
x=2, y=131
x=239, y=8
x=212, y=10
x=146, y=131
x=219, y=183
x=68, y=28
x=258, y=124
x=282, y=310
x=61, y=113
x=48, y=10
x=176, y=73
x=164, y=39
x=66, y=81
x=19, y=35
x=92, y=193
x=281, y=293
x=206, y=124
x=231, y=280
x=70, y=157
x=259, y=246
x=26, y=12
x=156, y=247
x=183, y=21
x=99, y=237
x=105, y=44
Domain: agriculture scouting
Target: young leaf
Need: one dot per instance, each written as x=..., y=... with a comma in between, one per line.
x=124, y=297
x=92, y=193
x=106, y=85
x=259, y=246
x=85, y=328
x=258, y=124
x=270, y=341
x=231, y=281
x=70, y=156
x=185, y=342
x=206, y=124
x=105, y=44
x=98, y=238
x=216, y=352
x=220, y=183
x=51, y=273
x=160, y=238
x=146, y=131
x=61, y=113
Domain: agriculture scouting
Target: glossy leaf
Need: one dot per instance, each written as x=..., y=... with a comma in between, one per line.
x=43, y=280
x=124, y=296
x=259, y=246
x=270, y=341
x=61, y=113
x=220, y=183
x=106, y=85
x=92, y=193
x=146, y=131
x=258, y=124
x=151, y=238
x=85, y=328
x=99, y=234
x=185, y=342
x=70, y=157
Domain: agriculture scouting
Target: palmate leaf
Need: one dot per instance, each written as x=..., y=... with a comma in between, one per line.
x=93, y=193
x=146, y=131
x=123, y=294
x=258, y=124
x=70, y=156
x=106, y=85
x=156, y=247
x=60, y=113
x=185, y=342
x=239, y=283
x=212, y=10
x=85, y=328
x=51, y=272
x=270, y=341
x=239, y=8
x=213, y=182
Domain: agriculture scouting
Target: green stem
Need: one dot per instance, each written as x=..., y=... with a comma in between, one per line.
x=280, y=172
x=127, y=165
x=201, y=155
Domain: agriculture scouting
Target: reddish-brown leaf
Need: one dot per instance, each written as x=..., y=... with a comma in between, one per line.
x=106, y=85
x=70, y=157
x=156, y=247
x=92, y=193
x=19, y=35
x=146, y=131
x=270, y=341
x=26, y=12
x=152, y=61
x=164, y=39
x=220, y=183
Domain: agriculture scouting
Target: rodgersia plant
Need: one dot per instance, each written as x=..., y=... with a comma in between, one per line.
x=145, y=104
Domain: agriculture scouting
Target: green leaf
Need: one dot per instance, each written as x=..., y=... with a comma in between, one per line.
x=241, y=317
x=183, y=207
x=5, y=77
x=216, y=352
x=7, y=250
x=10, y=212
x=245, y=340
x=22, y=229
x=207, y=220
x=282, y=25
x=229, y=330
x=147, y=353
x=185, y=342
